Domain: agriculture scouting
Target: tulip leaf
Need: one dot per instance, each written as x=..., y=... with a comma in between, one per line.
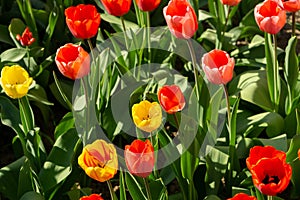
x=158, y=190
x=296, y=178
x=4, y=35
x=292, y=153
x=134, y=187
x=65, y=124
x=26, y=182
x=122, y=186
x=117, y=21
x=16, y=27
x=32, y=195
x=279, y=142
x=212, y=197
x=13, y=55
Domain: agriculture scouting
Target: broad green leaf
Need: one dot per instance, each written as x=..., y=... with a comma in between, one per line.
x=292, y=153
x=4, y=35
x=16, y=27
x=117, y=21
x=212, y=197
x=65, y=124
x=32, y=195
x=296, y=178
x=13, y=55
x=279, y=142
x=26, y=183
x=26, y=114
x=134, y=187
x=158, y=190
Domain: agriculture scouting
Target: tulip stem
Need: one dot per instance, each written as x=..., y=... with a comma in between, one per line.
x=276, y=75
x=86, y=94
x=148, y=37
x=28, y=57
x=124, y=29
x=91, y=48
x=293, y=23
x=193, y=55
x=111, y=190
x=225, y=25
x=270, y=197
x=147, y=189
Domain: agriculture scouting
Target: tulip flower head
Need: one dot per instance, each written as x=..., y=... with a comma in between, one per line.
x=299, y=154
x=147, y=116
x=242, y=196
x=147, y=5
x=291, y=5
x=171, y=98
x=15, y=81
x=72, y=61
x=181, y=18
x=92, y=197
x=26, y=39
x=218, y=66
x=270, y=16
x=83, y=20
x=117, y=7
x=230, y=2
x=139, y=158
x=99, y=160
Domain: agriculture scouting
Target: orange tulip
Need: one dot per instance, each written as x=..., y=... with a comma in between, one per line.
x=99, y=160
x=291, y=5
x=230, y=2
x=181, y=18
x=117, y=7
x=26, y=39
x=270, y=16
x=72, y=61
x=92, y=197
x=139, y=158
x=83, y=20
x=147, y=5
x=242, y=196
x=299, y=154
x=218, y=66
x=171, y=98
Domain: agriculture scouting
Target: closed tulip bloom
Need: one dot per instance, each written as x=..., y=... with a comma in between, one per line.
x=218, y=66
x=99, y=160
x=270, y=16
x=271, y=176
x=92, y=197
x=26, y=39
x=83, y=20
x=147, y=5
x=72, y=61
x=171, y=98
x=15, y=81
x=139, y=158
x=291, y=5
x=230, y=2
x=242, y=196
x=299, y=154
x=117, y=7
x=147, y=116
x=181, y=18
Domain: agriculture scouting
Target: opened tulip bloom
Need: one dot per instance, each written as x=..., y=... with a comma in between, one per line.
x=72, y=61
x=242, y=196
x=291, y=5
x=181, y=18
x=218, y=66
x=15, y=81
x=99, y=160
x=117, y=7
x=92, y=197
x=26, y=39
x=147, y=116
x=83, y=20
x=230, y=2
x=139, y=158
x=171, y=98
x=147, y=5
x=270, y=16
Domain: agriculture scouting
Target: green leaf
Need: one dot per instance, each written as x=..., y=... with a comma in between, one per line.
x=16, y=27
x=4, y=35
x=65, y=124
x=134, y=187
x=25, y=179
x=59, y=162
x=32, y=195
x=212, y=197
x=26, y=114
x=292, y=153
x=158, y=190
x=117, y=21
x=122, y=186
x=279, y=142
x=296, y=178
x=13, y=55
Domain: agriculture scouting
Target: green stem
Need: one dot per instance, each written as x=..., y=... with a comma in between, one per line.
x=298, y=121
x=276, y=75
x=225, y=25
x=270, y=197
x=176, y=121
x=91, y=48
x=147, y=189
x=124, y=30
x=293, y=23
x=86, y=94
x=193, y=55
x=148, y=37
x=28, y=56
x=111, y=190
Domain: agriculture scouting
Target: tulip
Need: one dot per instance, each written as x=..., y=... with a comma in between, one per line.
x=99, y=160
x=299, y=154
x=181, y=18
x=147, y=116
x=271, y=176
x=291, y=5
x=270, y=16
x=171, y=98
x=242, y=196
x=259, y=152
x=230, y=2
x=117, y=7
x=83, y=20
x=139, y=158
x=15, y=81
x=26, y=39
x=72, y=61
x=92, y=197
x=218, y=66
x=147, y=5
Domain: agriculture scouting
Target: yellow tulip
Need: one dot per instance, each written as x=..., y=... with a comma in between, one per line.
x=147, y=116
x=15, y=81
x=99, y=160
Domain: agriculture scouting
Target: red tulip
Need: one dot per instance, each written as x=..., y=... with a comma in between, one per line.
x=92, y=197
x=147, y=5
x=181, y=18
x=83, y=20
x=271, y=175
x=72, y=61
x=291, y=5
x=242, y=196
x=117, y=7
x=230, y=2
x=139, y=158
x=270, y=16
x=259, y=152
x=171, y=98
x=26, y=39
x=299, y=154
x=218, y=66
